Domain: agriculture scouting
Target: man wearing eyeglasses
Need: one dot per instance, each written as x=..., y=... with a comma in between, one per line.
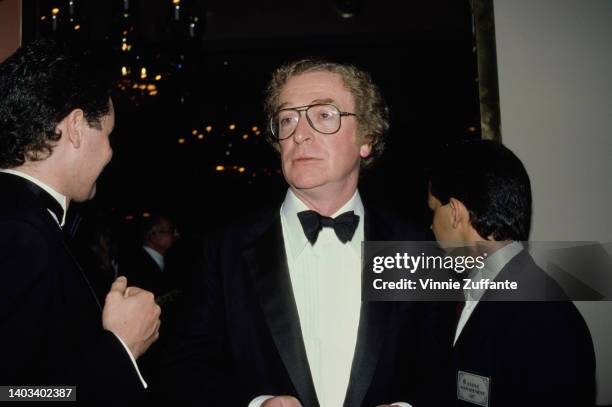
x=277, y=314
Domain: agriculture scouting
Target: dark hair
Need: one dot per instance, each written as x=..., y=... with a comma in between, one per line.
x=40, y=85
x=372, y=112
x=490, y=181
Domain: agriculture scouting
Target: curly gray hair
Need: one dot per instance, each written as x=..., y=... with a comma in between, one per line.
x=372, y=112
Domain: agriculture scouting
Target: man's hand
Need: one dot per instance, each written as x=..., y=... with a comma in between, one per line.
x=282, y=401
x=132, y=314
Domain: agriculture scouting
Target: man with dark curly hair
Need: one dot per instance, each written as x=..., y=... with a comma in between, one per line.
x=277, y=317
x=55, y=119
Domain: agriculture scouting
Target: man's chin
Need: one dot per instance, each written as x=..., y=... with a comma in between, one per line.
x=306, y=184
x=305, y=177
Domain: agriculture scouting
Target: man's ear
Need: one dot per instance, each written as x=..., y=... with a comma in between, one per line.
x=73, y=127
x=365, y=150
x=459, y=213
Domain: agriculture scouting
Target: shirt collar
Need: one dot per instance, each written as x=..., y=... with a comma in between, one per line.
x=292, y=228
x=61, y=199
x=157, y=257
x=494, y=263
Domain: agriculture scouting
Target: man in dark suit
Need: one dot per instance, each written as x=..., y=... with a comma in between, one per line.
x=275, y=317
x=145, y=266
x=55, y=121
x=528, y=347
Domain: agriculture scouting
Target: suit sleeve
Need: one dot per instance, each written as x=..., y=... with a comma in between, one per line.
x=194, y=366
x=38, y=345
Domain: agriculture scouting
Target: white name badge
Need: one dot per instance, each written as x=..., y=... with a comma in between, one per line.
x=473, y=388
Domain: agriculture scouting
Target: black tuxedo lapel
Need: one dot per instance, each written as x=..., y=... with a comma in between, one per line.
x=370, y=335
x=26, y=194
x=267, y=264
x=82, y=273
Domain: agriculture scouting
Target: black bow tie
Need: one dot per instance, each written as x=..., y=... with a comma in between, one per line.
x=344, y=225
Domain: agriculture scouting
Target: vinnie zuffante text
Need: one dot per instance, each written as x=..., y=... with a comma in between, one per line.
x=456, y=264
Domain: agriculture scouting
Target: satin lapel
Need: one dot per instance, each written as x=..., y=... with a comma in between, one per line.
x=267, y=263
x=82, y=272
x=30, y=195
x=370, y=337
x=515, y=270
x=54, y=228
x=371, y=332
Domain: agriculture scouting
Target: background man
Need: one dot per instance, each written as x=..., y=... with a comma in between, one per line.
x=276, y=315
x=55, y=121
x=513, y=352
x=146, y=265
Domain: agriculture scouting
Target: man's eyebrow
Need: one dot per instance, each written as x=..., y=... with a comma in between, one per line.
x=313, y=102
x=326, y=100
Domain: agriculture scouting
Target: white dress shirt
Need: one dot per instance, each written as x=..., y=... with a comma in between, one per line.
x=326, y=280
x=492, y=266
x=62, y=200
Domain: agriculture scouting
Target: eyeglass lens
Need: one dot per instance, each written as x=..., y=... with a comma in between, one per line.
x=323, y=118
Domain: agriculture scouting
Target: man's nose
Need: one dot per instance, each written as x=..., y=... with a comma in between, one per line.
x=303, y=130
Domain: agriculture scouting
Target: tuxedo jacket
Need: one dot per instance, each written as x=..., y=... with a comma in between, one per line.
x=532, y=353
x=242, y=337
x=50, y=318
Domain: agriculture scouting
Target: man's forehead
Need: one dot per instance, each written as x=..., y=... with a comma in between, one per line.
x=324, y=86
